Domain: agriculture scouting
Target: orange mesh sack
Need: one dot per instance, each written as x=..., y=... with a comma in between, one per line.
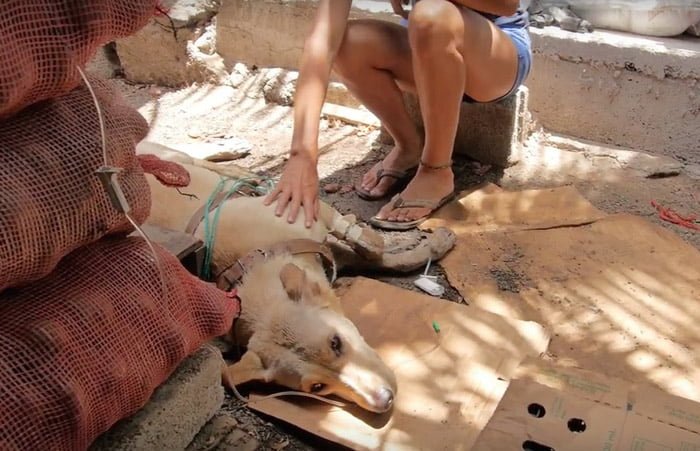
x=88, y=345
x=51, y=200
x=44, y=40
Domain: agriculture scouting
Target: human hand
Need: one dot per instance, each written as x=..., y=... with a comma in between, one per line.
x=298, y=187
x=398, y=7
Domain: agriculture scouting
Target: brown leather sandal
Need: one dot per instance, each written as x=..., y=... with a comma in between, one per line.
x=398, y=202
x=402, y=178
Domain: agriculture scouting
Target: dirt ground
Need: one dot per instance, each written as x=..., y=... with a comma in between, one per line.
x=220, y=114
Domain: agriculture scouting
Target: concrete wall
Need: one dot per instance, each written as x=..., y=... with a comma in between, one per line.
x=270, y=33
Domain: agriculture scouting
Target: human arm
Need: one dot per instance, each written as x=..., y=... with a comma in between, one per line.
x=298, y=186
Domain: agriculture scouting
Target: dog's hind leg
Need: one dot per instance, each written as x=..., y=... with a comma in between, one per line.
x=169, y=154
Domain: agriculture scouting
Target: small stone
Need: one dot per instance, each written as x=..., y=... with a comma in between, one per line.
x=346, y=189
x=331, y=188
x=195, y=133
x=238, y=75
x=281, y=445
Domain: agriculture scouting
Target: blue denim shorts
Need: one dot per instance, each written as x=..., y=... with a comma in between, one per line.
x=521, y=39
x=523, y=46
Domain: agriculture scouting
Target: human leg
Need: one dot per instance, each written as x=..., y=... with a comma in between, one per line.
x=374, y=59
x=474, y=57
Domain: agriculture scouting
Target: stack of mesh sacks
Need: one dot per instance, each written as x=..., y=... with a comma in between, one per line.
x=91, y=321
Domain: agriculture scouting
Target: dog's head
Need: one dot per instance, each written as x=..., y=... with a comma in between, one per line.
x=306, y=343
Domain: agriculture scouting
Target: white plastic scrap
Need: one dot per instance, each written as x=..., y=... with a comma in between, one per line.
x=429, y=284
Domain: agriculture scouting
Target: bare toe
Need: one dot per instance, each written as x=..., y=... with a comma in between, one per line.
x=370, y=179
x=383, y=186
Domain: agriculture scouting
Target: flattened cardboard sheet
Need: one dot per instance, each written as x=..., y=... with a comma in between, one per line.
x=620, y=295
x=549, y=407
x=489, y=208
x=449, y=382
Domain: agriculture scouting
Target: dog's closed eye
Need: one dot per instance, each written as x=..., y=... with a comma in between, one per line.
x=337, y=345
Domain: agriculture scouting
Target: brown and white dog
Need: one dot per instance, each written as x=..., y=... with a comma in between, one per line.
x=291, y=323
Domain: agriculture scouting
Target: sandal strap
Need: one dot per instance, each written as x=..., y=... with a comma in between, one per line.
x=400, y=202
x=395, y=173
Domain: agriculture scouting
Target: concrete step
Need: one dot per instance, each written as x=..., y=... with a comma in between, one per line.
x=620, y=89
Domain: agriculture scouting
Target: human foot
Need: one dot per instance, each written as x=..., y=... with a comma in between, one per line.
x=430, y=189
x=389, y=174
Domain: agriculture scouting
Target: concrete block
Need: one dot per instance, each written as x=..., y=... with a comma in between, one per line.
x=339, y=94
x=222, y=433
x=491, y=133
x=176, y=412
x=494, y=133
x=213, y=433
x=178, y=53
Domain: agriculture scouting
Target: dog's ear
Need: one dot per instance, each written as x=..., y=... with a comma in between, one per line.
x=293, y=280
x=296, y=284
x=249, y=368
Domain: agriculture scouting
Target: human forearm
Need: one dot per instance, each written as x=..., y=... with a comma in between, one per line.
x=320, y=49
x=497, y=7
x=310, y=94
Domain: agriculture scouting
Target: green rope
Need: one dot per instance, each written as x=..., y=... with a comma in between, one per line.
x=211, y=224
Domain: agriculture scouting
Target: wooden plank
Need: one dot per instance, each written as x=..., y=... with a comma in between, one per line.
x=351, y=116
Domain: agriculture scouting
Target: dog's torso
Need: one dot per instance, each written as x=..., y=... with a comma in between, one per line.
x=249, y=224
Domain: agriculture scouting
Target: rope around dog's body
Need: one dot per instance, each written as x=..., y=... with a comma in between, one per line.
x=215, y=200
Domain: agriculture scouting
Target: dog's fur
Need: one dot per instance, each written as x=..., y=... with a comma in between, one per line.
x=291, y=321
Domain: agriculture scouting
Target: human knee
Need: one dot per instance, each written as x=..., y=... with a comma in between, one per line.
x=349, y=57
x=433, y=21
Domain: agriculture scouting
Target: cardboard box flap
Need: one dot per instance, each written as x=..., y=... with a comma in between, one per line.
x=537, y=417
x=577, y=382
x=547, y=408
x=654, y=403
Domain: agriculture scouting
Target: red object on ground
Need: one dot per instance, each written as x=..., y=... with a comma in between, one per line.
x=160, y=9
x=168, y=173
x=668, y=215
x=88, y=345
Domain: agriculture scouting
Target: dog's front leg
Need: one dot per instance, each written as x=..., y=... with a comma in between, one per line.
x=363, y=240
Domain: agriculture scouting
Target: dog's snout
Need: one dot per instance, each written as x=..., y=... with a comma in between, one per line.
x=384, y=398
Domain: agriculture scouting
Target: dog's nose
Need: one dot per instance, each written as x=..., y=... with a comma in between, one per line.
x=384, y=397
